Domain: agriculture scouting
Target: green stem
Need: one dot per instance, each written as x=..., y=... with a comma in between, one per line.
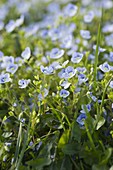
x=103, y=96
x=24, y=147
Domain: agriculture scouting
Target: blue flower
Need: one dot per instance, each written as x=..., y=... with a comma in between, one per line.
x=55, y=34
x=69, y=72
x=81, y=118
x=19, y=61
x=19, y=21
x=13, y=24
x=26, y=53
x=61, y=73
x=111, y=84
x=94, y=98
x=89, y=17
x=76, y=57
x=7, y=61
x=64, y=93
x=88, y=107
x=81, y=69
x=4, y=78
x=56, y=53
x=56, y=65
x=105, y=67
x=65, y=84
x=47, y=70
x=44, y=33
x=82, y=78
x=10, y=26
x=70, y=10
x=42, y=95
x=100, y=49
x=111, y=57
x=23, y=83
x=66, y=73
x=31, y=30
x=85, y=34
x=108, y=28
x=66, y=41
x=1, y=55
x=12, y=68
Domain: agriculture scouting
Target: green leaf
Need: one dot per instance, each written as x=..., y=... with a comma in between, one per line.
x=106, y=157
x=98, y=167
x=69, y=149
x=7, y=134
x=111, y=168
x=97, y=54
x=76, y=132
x=100, y=123
x=39, y=163
x=64, y=139
x=66, y=164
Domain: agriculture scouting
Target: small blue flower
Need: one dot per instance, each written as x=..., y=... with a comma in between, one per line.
x=64, y=93
x=111, y=84
x=19, y=21
x=44, y=33
x=31, y=30
x=56, y=65
x=61, y=73
x=81, y=69
x=23, y=83
x=94, y=98
x=82, y=78
x=1, y=55
x=66, y=41
x=26, y=53
x=56, y=53
x=42, y=95
x=74, y=47
x=111, y=57
x=13, y=24
x=10, y=26
x=89, y=17
x=7, y=61
x=105, y=67
x=99, y=101
x=19, y=61
x=12, y=68
x=85, y=34
x=88, y=107
x=76, y=57
x=69, y=72
x=55, y=34
x=70, y=10
x=65, y=63
x=81, y=118
x=4, y=78
x=65, y=84
x=47, y=70
x=100, y=49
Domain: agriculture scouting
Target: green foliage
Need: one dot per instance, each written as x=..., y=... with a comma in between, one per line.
x=56, y=109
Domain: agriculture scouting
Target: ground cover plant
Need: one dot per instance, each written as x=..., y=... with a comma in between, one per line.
x=56, y=85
